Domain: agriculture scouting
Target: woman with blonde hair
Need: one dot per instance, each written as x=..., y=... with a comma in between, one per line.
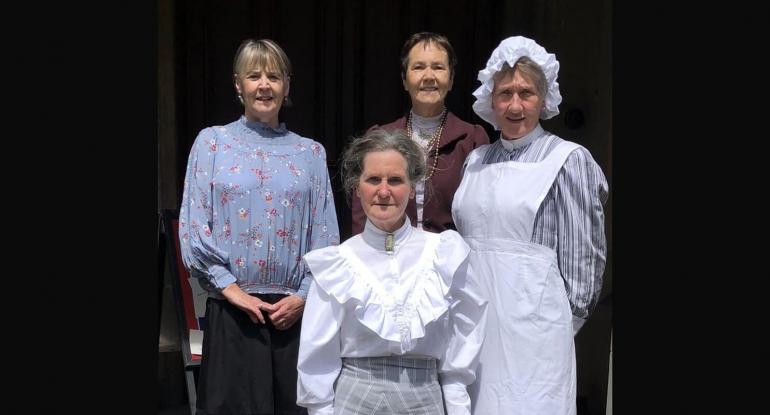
x=256, y=198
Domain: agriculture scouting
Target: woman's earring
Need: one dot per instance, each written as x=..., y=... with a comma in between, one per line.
x=240, y=98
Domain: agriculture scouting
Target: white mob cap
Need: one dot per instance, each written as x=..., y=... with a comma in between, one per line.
x=509, y=51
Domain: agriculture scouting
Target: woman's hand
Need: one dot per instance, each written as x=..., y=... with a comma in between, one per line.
x=252, y=305
x=287, y=311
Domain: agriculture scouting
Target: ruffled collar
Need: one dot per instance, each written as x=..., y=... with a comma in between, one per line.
x=376, y=237
x=347, y=277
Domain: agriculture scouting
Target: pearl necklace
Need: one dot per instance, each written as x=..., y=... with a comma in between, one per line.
x=433, y=143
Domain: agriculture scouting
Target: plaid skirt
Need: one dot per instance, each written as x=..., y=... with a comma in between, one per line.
x=388, y=385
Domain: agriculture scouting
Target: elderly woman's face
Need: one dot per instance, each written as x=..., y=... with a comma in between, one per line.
x=427, y=78
x=384, y=189
x=516, y=105
x=263, y=91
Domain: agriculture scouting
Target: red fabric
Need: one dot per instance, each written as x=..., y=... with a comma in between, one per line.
x=187, y=296
x=457, y=140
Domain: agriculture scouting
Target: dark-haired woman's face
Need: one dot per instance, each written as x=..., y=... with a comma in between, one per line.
x=427, y=78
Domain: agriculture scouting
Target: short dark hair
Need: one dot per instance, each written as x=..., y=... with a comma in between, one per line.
x=428, y=38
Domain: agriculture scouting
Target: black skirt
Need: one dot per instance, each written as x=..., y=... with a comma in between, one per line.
x=247, y=367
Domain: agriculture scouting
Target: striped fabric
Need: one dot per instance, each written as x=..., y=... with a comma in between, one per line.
x=388, y=385
x=570, y=219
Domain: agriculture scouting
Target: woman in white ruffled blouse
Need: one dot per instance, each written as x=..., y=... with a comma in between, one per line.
x=391, y=325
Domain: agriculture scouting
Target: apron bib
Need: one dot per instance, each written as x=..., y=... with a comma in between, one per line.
x=527, y=361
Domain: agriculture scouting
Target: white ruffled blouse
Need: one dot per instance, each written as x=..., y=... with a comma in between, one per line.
x=366, y=302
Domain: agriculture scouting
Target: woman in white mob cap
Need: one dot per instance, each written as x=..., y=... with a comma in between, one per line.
x=390, y=324
x=531, y=208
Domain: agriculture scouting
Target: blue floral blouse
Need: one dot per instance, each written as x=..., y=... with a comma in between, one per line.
x=256, y=199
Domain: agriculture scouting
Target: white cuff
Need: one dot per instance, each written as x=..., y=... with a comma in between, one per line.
x=456, y=399
x=327, y=409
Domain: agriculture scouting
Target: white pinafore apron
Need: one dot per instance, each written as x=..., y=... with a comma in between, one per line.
x=527, y=362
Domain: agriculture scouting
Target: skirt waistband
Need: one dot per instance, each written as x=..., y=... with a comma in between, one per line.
x=401, y=369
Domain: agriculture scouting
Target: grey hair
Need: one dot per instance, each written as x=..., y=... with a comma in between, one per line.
x=378, y=139
x=531, y=70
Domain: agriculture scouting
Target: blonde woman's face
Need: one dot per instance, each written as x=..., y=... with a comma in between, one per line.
x=263, y=91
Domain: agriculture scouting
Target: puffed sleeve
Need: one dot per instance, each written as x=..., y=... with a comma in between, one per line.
x=319, y=361
x=480, y=136
x=467, y=323
x=200, y=253
x=582, y=248
x=324, y=230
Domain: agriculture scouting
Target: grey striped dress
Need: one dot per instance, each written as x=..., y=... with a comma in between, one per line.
x=571, y=218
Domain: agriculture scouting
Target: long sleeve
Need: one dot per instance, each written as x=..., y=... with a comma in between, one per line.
x=570, y=219
x=581, y=246
x=325, y=228
x=467, y=325
x=199, y=251
x=319, y=361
